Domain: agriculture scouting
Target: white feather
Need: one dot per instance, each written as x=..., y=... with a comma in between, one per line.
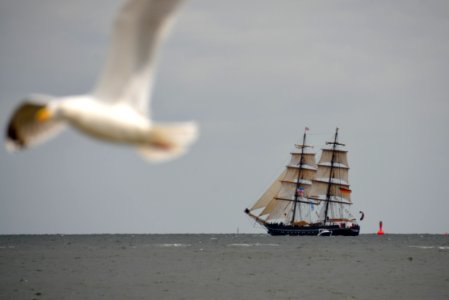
x=138, y=32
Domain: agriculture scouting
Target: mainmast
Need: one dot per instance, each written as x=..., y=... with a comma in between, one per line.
x=331, y=184
x=331, y=173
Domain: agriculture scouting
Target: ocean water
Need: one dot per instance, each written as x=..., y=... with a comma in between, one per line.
x=223, y=266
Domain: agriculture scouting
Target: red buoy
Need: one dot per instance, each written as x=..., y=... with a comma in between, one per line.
x=380, y=231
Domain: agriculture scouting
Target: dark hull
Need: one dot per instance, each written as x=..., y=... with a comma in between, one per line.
x=281, y=229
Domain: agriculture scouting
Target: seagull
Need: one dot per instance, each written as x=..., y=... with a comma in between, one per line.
x=117, y=110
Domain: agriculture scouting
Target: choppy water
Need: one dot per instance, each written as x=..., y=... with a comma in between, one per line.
x=205, y=266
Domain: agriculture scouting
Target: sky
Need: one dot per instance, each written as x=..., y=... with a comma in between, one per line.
x=253, y=74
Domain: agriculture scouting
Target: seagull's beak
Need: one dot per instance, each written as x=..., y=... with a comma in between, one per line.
x=43, y=114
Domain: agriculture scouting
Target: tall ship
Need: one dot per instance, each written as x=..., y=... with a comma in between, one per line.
x=309, y=198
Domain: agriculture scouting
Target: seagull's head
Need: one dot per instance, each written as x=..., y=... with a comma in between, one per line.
x=44, y=107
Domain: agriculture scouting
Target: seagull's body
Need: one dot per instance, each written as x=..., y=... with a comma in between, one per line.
x=111, y=122
x=117, y=109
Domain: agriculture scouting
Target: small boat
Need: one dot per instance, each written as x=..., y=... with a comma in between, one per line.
x=309, y=198
x=324, y=232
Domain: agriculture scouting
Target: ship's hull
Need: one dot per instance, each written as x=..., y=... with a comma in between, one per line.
x=281, y=229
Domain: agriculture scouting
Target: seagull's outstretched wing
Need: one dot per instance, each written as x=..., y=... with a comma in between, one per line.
x=139, y=28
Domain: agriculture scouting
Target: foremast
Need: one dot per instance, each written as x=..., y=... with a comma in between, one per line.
x=287, y=199
x=299, y=191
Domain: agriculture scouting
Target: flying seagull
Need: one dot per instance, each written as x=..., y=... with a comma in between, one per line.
x=117, y=110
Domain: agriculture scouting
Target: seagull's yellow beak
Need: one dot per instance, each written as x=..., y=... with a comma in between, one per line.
x=43, y=114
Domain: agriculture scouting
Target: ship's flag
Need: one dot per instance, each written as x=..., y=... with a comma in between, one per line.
x=300, y=191
x=307, y=128
x=345, y=190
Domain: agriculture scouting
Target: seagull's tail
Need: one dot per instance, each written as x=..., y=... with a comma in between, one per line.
x=31, y=124
x=168, y=141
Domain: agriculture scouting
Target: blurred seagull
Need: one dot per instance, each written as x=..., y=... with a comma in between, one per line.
x=117, y=109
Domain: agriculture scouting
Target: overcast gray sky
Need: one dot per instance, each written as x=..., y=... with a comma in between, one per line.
x=253, y=74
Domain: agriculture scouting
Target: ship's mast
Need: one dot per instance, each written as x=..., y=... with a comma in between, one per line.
x=301, y=162
x=297, y=176
x=331, y=173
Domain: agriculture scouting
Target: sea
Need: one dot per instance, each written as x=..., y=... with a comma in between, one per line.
x=224, y=266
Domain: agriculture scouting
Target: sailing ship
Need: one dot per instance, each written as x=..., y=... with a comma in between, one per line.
x=309, y=198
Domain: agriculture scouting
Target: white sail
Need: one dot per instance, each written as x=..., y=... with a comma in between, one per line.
x=295, y=187
x=268, y=196
x=304, y=213
x=308, y=159
x=320, y=190
x=280, y=211
x=289, y=189
x=338, y=172
x=340, y=157
x=277, y=203
x=335, y=213
x=273, y=205
x=309, y=194
x=331, y=185
x=281, y=201
x=294, y=173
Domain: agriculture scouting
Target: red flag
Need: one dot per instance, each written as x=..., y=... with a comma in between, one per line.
x=307, y=128
x=345, y=190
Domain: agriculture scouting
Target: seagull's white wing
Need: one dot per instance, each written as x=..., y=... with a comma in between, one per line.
x=139, y=28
